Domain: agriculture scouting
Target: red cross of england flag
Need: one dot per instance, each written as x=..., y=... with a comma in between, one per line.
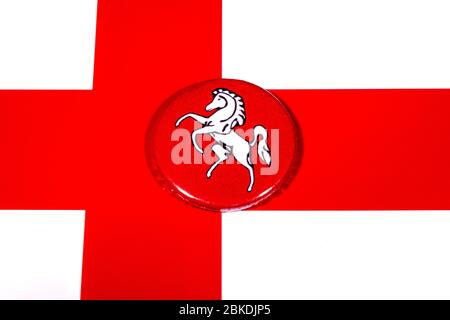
x=224, y=149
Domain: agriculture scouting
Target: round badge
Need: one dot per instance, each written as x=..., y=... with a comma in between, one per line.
x=223, y=145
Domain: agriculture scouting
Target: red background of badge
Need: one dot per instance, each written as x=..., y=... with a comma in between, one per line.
x=363, y=149
x=227, y=188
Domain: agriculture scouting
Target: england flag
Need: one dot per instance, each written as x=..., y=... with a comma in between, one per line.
x=365, y=217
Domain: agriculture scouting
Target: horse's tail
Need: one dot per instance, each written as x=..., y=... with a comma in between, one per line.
x=263, y=148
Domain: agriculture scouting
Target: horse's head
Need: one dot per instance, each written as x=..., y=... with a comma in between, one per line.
x=232, y=107
x=223, y=98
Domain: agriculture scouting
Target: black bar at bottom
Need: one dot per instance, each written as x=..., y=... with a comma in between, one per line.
x=224, y=309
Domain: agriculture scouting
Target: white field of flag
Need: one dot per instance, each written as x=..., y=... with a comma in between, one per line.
x=345, y=44
x=336, y=255
x=275, y=44
x=47, y=44
x=41, y=253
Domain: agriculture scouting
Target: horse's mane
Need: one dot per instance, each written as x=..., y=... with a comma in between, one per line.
x=238, y=118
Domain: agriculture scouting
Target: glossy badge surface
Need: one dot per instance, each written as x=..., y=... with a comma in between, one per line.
x=223, y=145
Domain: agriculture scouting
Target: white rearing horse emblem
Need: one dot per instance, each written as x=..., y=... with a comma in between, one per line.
x=230, y=114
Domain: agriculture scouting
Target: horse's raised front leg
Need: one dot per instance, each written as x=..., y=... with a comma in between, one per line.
x=221, y=153
x=194, y=116
x=204, y=130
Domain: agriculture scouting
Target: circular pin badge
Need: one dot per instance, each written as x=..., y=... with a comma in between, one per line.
x=223, y=145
